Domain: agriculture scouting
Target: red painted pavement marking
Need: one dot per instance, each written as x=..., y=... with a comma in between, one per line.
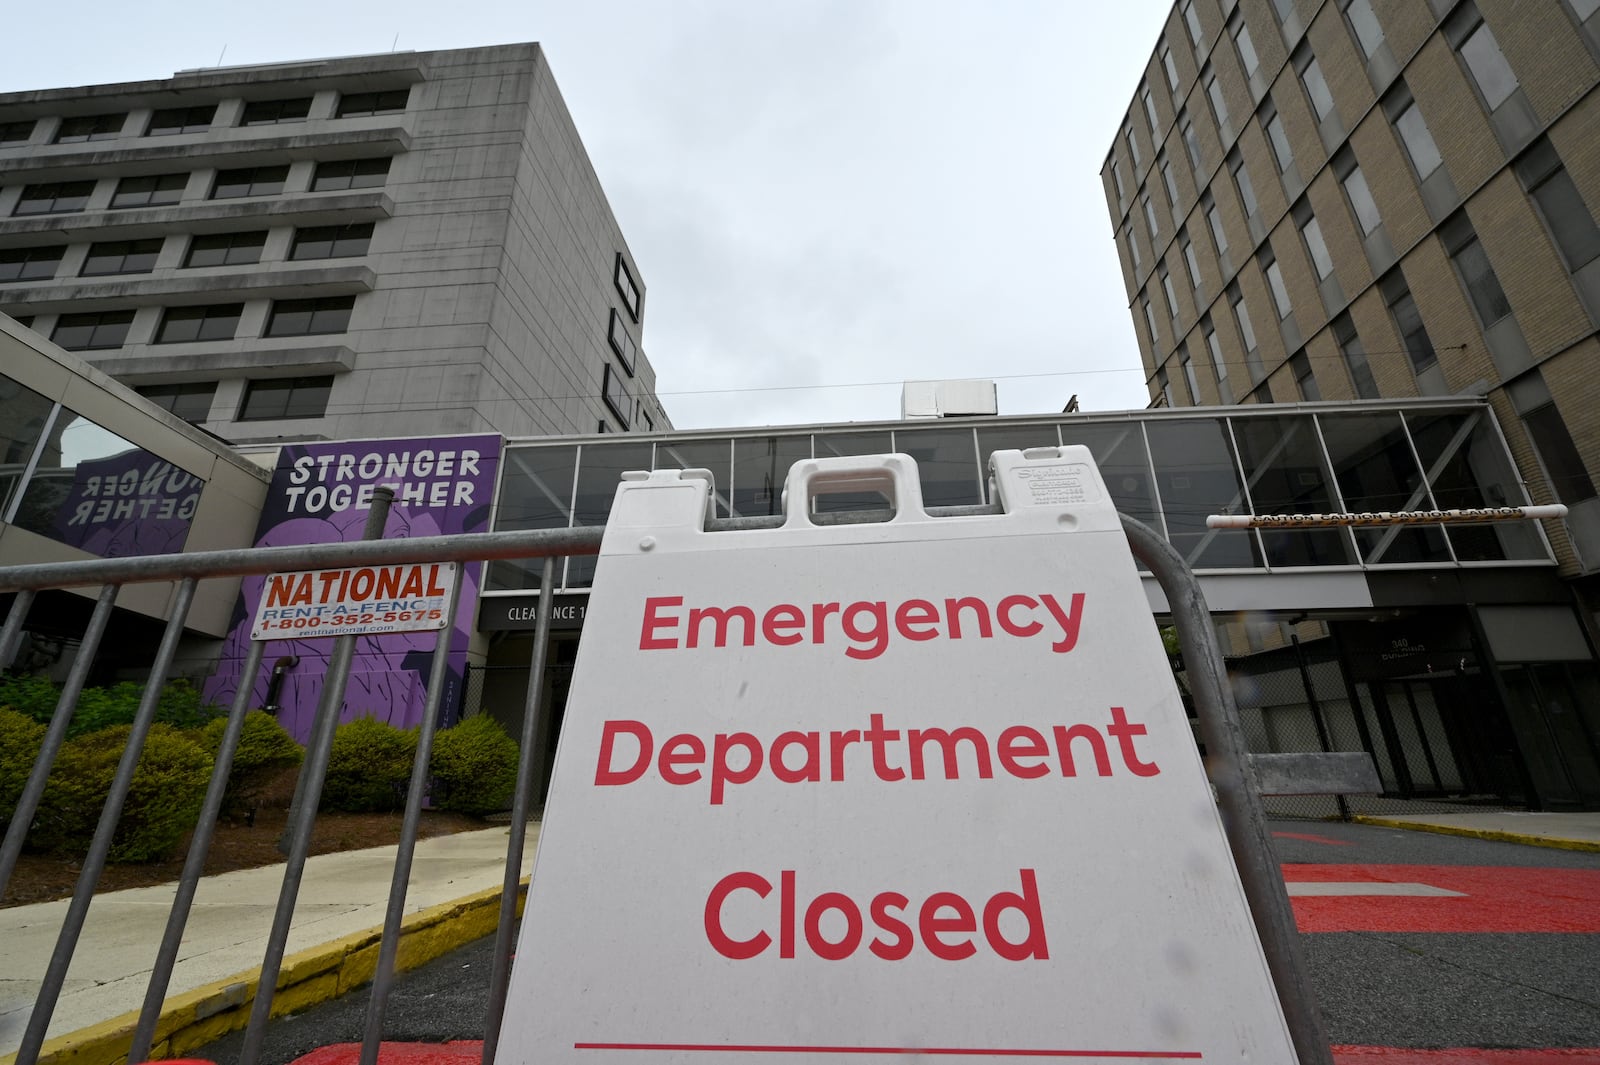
x=1309, y=838
x=1498, y=899
x=469, y=1051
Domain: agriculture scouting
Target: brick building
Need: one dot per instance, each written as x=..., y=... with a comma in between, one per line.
x=1335, y=200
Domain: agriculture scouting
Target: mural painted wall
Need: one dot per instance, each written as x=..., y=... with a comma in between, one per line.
x=321, y=493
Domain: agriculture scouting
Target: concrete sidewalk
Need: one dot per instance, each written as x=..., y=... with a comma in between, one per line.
x=453, y=897
x=1565, y=831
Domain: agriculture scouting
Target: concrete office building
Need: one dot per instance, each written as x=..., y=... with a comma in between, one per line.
x=408, y=243
x=1363, y=199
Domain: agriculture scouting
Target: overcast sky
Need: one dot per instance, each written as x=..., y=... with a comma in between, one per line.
x=818, y=193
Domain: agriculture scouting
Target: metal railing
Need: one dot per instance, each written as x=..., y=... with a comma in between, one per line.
x=1237, y=793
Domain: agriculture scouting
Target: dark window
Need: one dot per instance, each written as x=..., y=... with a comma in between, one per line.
x=24, y=320
x=56, y=197
x=30, y=264
x=1565, y=214
x=170, y=121
x=121, y=257
x=180, y=325
x=615, y=393
x=1413, y=334
x=362, y=104
x=295, y=318
x=249, y=181
x=1304, y=379
x=271, y=112
x=87, y=332
x=1483, y=287
x=331, y=242
x=285, y=397
x=1562, y=463
x=90, y=128
x=1355, y=357
x=350, y=174
x=622, y=342
x=156, y=191
x=191, y=402
x=16, y=132
x=226, y=249
x=622, y=277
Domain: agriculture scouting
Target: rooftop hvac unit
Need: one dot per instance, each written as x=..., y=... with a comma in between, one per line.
x=947, y=399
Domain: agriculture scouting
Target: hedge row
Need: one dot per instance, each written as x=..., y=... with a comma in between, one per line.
x=473, y=767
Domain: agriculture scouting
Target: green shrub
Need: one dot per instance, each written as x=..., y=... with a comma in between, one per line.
x=20, y=740
x=369, y=766
x=163, y=802
x=265, y=750
x=474, y=767
x=33, y=697
x=179, y=706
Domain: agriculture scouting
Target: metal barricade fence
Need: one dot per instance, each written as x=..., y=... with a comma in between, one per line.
x=1233, y=778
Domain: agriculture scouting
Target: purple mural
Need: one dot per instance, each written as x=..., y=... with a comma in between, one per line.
x=321, y=494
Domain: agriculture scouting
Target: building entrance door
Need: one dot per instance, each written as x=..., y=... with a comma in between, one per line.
x=1557, y=721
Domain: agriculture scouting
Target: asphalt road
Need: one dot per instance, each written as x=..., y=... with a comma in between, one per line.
x=1524, y=973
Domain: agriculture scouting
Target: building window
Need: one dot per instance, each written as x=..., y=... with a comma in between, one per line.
x=1280, y=292
x=182, y=325
x=1565, y=214
x=622, y=278
x=1116, y=179
x=160, y=190
x=1355, y=357
x=365, y=104
x=170, y=121
x=1277, y=137
x=1168, y=65
x=1241, y=315
x=1368, y=31
x=1487, y=64
x=272, y=112
x=1191, y=21
x=1133, y=145
x=1189, y=378
x=1311, y=233
x=285, y=397
x=298, y=318
x=1304, y=379
x=226, y=249
x=1150, y=219
x=1133, y=249
x=1316, y=87
x=350, y=174
x=1214, y=223
x=615, y=392
x=1149, y=111
x=1361, y=201
x=1150, y=322
x=92, y=332
x=1191, y=142
x=190, y=402
x=1172, y=295
x=81, y=128
x=16, y=132
x=1477, y=275
x=1219, y=106
x=249, y=181
x=1191, y=262
x=121, y=257
x=55, y=197
x=1164, y=383
x=332, y=242
x=644, y=416
x=1246, y=48
x=1214, y=346
x=30, y=264
x=622, y=342
x=1413, y=130
x=1408, y=321
x=1562, y=463
x=1241, y=182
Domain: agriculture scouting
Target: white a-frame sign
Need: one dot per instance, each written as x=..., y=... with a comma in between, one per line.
x=866, y=792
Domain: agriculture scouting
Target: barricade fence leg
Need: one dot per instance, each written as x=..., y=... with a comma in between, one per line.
x=11, y=634
x=389, y=945
x=100, y=847
x=500, y=974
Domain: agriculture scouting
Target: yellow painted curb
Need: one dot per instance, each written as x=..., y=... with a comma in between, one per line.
x=194, y=1018
x=1555, y=842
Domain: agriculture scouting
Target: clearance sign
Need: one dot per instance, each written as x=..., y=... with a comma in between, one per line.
x=354, y=602
x=865, y=792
